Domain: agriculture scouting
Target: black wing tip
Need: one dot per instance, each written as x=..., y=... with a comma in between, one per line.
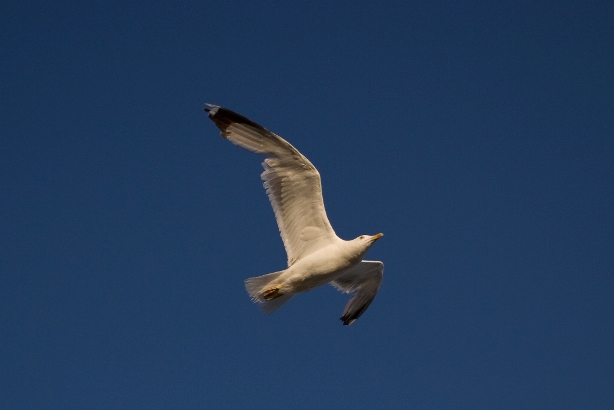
x=348, y=319
x=224, y=116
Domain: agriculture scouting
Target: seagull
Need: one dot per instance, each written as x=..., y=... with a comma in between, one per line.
x=316, y=255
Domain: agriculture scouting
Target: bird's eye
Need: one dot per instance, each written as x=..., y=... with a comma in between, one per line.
x=362, y=237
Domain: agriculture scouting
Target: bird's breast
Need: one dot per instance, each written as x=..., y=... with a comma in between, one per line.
x=319, y=268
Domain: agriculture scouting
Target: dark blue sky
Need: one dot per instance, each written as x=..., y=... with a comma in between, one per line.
x=478, y=137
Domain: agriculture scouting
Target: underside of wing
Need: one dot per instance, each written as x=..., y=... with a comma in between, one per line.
x=291, y=182
x=364, y=280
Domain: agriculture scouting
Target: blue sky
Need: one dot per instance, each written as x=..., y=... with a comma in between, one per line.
x=476, y=136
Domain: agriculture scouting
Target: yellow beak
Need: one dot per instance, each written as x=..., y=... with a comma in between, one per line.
x=376, y=237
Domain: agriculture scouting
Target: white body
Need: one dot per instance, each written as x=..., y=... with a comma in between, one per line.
x=321, y=267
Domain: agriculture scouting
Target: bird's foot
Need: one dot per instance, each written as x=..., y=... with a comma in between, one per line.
x=272, y=293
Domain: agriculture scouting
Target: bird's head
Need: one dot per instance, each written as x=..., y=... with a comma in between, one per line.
x=358, y=247
x=368, y=240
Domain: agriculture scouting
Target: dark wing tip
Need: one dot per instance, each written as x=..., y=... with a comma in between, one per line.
x=223, y=117
x=350, y=317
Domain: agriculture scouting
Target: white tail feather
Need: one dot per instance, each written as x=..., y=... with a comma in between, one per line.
x=257, y=284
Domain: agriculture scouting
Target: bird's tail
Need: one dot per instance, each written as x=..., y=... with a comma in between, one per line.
x=257, y=285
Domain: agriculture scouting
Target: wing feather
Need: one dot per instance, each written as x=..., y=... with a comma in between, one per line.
x=291, y=182
x=364, y=280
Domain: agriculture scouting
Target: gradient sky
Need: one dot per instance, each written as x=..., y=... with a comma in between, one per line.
x=477, y=136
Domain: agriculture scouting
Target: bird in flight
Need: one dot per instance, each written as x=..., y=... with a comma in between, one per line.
x=316, y=255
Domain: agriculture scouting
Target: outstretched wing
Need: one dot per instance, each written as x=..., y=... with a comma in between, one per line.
x=291, y=182
x=365, y=279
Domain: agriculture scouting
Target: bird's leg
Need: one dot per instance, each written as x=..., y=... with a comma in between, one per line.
x=271, y=293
